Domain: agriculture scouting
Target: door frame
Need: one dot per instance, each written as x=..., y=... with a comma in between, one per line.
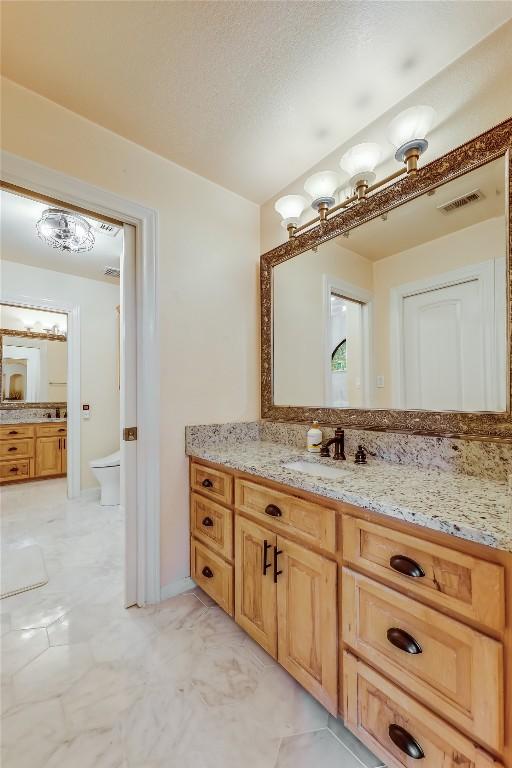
x=483, y=272
x=45, y=181
x=332, y=284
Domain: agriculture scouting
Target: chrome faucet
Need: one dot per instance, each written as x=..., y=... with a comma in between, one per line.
x=339, y=445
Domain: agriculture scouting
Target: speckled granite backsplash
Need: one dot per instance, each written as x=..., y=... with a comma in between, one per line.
x=8, y=415
x=469, y=457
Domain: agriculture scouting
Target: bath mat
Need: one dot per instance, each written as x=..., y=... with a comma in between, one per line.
x=21, y=570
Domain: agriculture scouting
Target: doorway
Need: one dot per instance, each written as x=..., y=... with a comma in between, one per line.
x=138, y=348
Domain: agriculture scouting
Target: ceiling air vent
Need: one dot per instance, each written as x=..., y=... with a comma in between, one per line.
x=461, y=202
x=108, y=229
x=112, y=272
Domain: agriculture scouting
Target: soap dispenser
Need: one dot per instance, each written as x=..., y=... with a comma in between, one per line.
x=314, y=438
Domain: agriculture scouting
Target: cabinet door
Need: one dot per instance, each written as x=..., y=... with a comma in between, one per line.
x=307, y=621
x=63, y=455
x=48, y=456
x=255, y=591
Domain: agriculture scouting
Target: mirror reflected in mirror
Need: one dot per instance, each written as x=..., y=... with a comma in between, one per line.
x=407, y=311
x=34, y=356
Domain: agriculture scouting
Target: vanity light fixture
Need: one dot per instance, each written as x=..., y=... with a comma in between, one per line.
x=321, y=187
x=65, y=231
x=290, y=209
x=359, y=162
x=407, y=131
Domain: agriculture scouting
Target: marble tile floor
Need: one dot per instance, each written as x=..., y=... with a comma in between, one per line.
x=88, y=684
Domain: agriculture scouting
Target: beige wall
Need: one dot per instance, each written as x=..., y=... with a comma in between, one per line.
x=208, y=280
x=298, y=290
x=97, y=300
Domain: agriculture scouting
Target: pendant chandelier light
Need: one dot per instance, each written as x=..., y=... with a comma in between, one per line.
x=407, y=132
x=65, y=231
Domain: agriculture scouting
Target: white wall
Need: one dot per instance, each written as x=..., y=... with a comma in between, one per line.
x=98, y=378
x=208, y=279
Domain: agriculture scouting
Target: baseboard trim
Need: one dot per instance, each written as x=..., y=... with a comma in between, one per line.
x=176, y=588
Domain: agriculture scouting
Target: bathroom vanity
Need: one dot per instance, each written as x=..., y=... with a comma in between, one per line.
x=402, y=628
x=33, y=450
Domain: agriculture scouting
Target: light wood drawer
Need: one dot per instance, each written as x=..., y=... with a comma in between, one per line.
x=215, y=484
x=17, y=449
x=378, y=712
x=14, y=470
x=472, y=588
x=13, y=431
x=454, y=669
x=212, y=524
x=50, y=430
x=313, y=523
x=213, y=575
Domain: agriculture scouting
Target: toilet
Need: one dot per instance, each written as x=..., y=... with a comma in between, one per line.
x=107, y=473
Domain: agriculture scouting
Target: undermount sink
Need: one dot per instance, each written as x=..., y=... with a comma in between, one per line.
x=312, y=468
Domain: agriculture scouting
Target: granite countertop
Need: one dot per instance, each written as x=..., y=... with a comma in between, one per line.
x=18, y=422
x=468, y=507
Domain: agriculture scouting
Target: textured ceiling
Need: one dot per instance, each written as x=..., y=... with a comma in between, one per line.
x=247, y=94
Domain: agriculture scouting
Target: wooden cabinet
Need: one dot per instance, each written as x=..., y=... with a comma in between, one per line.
x=48, y=456
x=284, y=598
x=32, y=451
x=213, y=575
x=398, y=729
x=451, y=667
x=408, y=630
x=307, y=620
x=449, y=579
x=312, y=523
x=255, y=590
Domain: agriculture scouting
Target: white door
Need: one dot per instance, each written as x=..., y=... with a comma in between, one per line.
x=128, y=383
x=444, y=349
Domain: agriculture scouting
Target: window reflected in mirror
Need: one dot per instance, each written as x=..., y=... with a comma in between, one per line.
x=406, y=311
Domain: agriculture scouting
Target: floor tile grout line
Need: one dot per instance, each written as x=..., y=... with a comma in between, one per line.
x=381, y=765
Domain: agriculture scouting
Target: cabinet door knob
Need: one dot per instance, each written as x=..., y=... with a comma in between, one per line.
x=207, y=483
x=273, y=511
x=207, y=521
x=12, y=448
x=406, y=566
x=403, y=640
x=405, y=742
x=207, y=572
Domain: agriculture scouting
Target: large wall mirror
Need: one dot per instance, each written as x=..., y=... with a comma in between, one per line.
x=33, y=360
x=398, y=316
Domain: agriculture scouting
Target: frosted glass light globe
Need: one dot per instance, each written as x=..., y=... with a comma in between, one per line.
x=359, y=161
x=322, y=185
x=410, y=128
x=290, y=208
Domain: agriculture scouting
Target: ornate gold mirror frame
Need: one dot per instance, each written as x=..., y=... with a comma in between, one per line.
x=494, y=143
x=14, y=404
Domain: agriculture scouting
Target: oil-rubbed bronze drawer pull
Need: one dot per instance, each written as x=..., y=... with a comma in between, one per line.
x=14, y=469
x=406, y=566
x=61, y=429
x=207, y=572
x=12, y=448
x=403, y=640
x=13, y=432
x=405, y=742
x=207, y=483
x=273, y=511
x=207, y=521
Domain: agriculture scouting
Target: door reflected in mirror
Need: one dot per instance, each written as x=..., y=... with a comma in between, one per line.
x=408, y=312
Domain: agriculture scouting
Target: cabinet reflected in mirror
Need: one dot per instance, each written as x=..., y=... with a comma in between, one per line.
x=407, y=312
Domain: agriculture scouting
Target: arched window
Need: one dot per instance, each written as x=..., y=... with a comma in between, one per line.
x=339, y=357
